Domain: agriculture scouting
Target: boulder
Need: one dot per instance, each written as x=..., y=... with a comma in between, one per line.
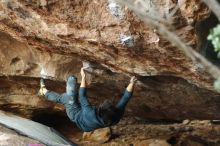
x=58, y=37
x=99, y=135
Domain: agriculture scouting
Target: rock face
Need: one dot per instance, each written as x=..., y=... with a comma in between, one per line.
x=57, y=36
x=99, y=135
x=9, y=137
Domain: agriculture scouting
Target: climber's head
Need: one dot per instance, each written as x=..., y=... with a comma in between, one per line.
x=71, y=85
x=107, y=111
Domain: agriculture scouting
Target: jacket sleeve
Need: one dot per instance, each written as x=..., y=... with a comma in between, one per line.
x=124, y=100
x=82, y=97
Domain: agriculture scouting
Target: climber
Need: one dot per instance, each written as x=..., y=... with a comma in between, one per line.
x=87, y=117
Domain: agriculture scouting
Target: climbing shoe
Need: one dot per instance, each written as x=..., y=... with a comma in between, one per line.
x=42, y=84
x=42, y=88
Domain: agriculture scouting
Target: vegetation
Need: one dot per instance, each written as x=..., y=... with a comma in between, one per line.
x=214, y=36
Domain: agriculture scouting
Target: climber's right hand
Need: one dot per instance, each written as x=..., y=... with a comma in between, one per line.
x=82, y=72
x=133, y=79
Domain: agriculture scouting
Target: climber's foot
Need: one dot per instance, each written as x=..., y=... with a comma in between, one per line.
x=43, y=89
x=42, y=84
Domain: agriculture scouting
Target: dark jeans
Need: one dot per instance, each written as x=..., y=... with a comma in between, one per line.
x=71, y=105
x=70, y=102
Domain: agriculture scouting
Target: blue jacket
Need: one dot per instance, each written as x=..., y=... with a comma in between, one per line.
x=84, y=115
x=88, y=120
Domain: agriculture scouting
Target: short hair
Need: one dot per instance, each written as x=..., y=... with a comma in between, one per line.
x=107, y=111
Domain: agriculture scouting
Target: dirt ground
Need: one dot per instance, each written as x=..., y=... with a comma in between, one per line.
x=131, y=131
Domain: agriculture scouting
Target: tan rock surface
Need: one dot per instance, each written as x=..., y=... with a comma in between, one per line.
x=9, y=138
x=99, y=135
x=58, y=36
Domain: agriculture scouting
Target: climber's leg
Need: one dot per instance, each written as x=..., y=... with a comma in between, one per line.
x=50, y=95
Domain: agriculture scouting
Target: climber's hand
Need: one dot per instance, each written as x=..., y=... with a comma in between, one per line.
x=133, y=79
x=83, y=73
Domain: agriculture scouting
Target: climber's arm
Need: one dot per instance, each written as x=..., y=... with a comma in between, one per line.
x=83, y=75
x=127, y=94
x=82, y=91
x=130, y=87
